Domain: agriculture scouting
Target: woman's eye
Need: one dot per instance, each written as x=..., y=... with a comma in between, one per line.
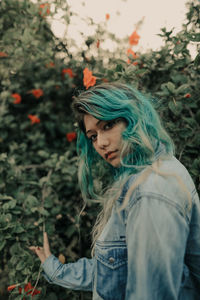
x=93, y=137
x=108, y=125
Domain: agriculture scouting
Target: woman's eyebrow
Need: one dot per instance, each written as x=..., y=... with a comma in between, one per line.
x=97, y=124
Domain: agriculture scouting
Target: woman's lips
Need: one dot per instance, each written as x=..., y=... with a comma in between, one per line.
x=111, y=154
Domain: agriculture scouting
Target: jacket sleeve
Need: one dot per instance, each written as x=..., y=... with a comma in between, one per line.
x=156, y=239
x=75, y=276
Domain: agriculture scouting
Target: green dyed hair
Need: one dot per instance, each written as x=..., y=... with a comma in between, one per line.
x=142, y=137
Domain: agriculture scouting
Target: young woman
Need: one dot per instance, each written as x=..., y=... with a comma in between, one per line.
x=146, y=240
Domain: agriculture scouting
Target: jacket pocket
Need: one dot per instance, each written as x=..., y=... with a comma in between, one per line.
x=111, y=270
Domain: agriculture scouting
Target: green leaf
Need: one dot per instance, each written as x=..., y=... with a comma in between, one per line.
x=197, y=60
x=9, y=205
x=44, y=212
x=171, y=87
x=20, y=265
x=43, y=154
x=182, y=89
x=119, y=68
x=31, y=201
x=26, y=271
x=15, y=249
x=5, y=197
x=5, y=218
x=175, y=107
x=2, y=245
x=19, y=229
x=48, y=202
x=195, y=37
x=14, y=259
x=5, y=95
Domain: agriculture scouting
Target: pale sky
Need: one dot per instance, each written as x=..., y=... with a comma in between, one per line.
x=123, y=17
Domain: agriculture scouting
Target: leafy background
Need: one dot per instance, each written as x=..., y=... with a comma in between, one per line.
x=38, y=162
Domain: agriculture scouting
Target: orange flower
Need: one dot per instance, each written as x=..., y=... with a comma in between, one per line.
x=71, y=136
x=98, y=43
x=3, y=54
x=50, y=65
x=130, y=52
x=135, y=63
x=34, y=119
x=11, y=287
x=134, y=38
x=107, y=17
x=88, y=79
x=17, y=98
x=69, y=72
x=44, y=9
x=37, y=93
x=188, y=95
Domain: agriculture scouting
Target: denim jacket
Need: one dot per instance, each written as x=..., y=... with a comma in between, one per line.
x=148, y=251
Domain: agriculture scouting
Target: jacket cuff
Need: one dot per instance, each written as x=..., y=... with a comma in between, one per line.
x=50, y=266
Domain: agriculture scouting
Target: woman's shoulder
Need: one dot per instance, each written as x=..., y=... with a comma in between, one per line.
x=166, y=180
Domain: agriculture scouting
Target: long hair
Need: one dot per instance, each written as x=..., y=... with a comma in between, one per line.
x=142, y=139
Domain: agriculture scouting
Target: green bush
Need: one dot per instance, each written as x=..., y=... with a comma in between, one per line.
x=38, y=164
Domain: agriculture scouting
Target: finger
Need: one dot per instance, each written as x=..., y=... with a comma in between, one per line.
x=32, y=248
x=46, y=244
x=45, y=239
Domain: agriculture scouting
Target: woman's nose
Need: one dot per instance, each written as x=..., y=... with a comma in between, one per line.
x=102, y=141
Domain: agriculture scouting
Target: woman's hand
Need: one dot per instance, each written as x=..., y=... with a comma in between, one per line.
x=42, y=252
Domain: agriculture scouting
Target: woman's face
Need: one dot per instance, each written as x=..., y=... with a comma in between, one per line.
x=106, y=137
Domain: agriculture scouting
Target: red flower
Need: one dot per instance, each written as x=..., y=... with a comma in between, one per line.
x=3, y=54
x=34, y=119
x=98, y=43
x=69, y=72
x=17, y=98
x=88, y=79
x=134, y=38
x=44, y=9
x=107, y=17
x=37, y=93
x=28, y=289
x=71, y=136
x=188, y=95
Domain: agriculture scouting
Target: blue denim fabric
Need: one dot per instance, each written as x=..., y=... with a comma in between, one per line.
x=149, y=251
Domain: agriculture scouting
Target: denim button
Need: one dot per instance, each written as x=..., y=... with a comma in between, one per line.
x=111, y=260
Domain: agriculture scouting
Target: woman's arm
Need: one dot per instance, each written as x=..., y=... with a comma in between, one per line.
x=156, y=239
x=76, y=276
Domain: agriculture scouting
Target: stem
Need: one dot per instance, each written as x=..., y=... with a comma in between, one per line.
x=44, y=194
x=38, y=277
